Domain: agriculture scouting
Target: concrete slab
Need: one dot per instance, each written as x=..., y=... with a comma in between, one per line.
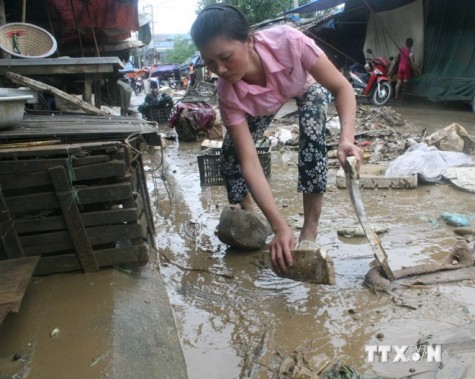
x=372, y=177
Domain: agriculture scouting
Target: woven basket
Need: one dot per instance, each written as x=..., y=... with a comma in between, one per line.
x=26, y=40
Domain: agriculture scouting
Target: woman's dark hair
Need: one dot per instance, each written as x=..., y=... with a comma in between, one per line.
x=409, y=42
x=219, y=20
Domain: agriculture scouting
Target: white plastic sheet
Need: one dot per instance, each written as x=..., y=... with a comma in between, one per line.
x=427, y=162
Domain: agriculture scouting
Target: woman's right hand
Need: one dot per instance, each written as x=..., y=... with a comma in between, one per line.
x=281, y=248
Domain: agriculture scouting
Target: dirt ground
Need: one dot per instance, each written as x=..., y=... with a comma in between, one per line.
x=235, y=318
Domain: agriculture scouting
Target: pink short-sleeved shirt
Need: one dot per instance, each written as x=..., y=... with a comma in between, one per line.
x=287, y=55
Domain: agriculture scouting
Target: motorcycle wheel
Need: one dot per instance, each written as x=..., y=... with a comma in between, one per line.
x=381, y=97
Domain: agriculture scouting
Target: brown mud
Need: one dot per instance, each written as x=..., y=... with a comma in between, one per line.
x=247, y=325
x=235, y=317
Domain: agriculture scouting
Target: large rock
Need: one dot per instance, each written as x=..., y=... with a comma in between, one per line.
x=242, y=230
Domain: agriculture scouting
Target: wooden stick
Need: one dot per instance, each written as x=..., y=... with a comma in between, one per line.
x=373, y=239
x=40, y=86
x=23, y=12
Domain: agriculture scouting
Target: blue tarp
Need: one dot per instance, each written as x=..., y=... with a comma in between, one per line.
x=163, y=69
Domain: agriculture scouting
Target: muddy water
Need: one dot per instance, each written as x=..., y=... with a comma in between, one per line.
x=246, y=325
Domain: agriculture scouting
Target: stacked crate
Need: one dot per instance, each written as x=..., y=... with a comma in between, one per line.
x=78, y=206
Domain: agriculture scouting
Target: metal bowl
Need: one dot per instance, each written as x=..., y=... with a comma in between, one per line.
x=12, y=109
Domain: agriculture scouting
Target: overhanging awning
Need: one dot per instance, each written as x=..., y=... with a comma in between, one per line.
x=317, y=5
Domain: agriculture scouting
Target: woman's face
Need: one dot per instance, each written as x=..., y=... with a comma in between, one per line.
x=228, y=58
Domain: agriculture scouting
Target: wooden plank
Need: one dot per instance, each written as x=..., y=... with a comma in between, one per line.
x=105, y=257
x=30, y=165
x=32, y=203
x=57, y=263
x=25, y=150
x=40, y=224
x=14, y=277
x=55, y=223
x=373, y=239
x=77, y=128
x=25, y=180
x=56, y=66
x=91, y=159
x=113, y=216
x=60, y=241
x=39, y=202
x=12, y=147
x=71, y=215
x=106, y=193
x=112, y=169
x=9, y=239
x=41, y=178
x=47, y=243
x=114, y=233
x=23, y=80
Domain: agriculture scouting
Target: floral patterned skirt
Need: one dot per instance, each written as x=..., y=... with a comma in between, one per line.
x=312, y=164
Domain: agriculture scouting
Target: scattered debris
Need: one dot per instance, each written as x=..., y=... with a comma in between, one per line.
x=455, y=219
x=452, y=138
x=461, y=177
x=457, y=265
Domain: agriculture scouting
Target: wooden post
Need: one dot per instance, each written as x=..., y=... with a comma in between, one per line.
x=97, y=92
x=3, y=21
x=73, y=220
x=87, y=97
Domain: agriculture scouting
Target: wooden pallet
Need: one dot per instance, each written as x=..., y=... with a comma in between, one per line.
x=78, y=206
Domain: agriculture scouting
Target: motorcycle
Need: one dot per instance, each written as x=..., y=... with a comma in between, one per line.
x=375, y=83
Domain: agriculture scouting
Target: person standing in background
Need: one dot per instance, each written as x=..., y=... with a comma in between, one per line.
x=192, y=76
x=406, y=63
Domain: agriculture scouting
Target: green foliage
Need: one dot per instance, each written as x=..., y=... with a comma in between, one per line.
x=256, y=10
x=182, y=50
